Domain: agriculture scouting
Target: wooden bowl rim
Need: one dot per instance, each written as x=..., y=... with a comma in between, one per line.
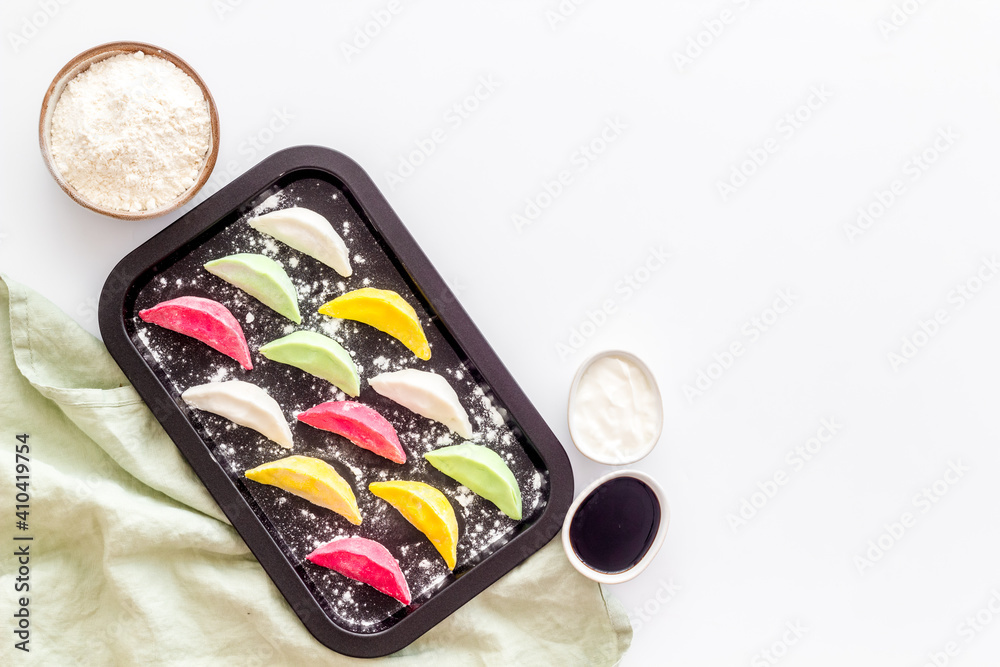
x=80, y=63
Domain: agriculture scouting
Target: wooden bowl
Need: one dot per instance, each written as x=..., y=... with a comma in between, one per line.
x=81, y=63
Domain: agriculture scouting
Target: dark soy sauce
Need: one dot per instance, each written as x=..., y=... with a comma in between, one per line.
x=614, y=526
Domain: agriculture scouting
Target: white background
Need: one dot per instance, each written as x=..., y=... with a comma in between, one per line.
x=715, y=595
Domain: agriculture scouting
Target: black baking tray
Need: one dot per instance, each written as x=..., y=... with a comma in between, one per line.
x=280, y=529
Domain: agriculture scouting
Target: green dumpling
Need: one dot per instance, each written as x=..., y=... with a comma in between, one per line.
x=262, y=278
x=483, y=472
x=318, y=355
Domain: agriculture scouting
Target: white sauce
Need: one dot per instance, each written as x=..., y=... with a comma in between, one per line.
x=615, y=411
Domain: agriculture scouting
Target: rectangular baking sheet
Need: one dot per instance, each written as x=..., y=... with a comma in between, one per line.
x=281, y=529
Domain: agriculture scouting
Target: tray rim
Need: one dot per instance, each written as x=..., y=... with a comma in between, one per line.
x=352, y=177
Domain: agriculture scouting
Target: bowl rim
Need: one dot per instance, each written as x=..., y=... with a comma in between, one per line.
x=81, y=62
x=574, y=386
x=654, y=548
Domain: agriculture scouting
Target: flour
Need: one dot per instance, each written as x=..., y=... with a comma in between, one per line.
x=131, y=132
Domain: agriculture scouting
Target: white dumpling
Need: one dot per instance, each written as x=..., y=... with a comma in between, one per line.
x=427, y=394
x=308, y=232
x=245, y=404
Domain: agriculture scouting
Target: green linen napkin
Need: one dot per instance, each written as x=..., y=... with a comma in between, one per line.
x=133, y=563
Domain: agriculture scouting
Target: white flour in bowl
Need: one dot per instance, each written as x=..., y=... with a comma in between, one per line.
x=131, y=132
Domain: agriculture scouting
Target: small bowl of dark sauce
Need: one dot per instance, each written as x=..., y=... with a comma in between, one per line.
x=615, y=526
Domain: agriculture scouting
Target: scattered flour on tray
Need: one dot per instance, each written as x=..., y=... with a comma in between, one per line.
x=330, y=326
x=464, y=496
x=272, y=202
x=220, y=374
x=484, y=529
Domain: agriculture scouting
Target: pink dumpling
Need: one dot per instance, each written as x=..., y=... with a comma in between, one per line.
x=205, y=320
x=359, y=424
x=365, y=561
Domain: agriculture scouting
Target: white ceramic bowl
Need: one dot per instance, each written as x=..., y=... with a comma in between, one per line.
x=620, y=459
x=654, y=547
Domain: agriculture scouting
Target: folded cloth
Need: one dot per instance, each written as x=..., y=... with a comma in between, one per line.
x=131, y=561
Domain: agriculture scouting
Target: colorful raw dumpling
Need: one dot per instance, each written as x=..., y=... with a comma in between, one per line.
x=312, y=479
x=262, y=278
x=427, y=394
x=205, y=320
x=427, y=509
x=365, y=561
x=359, y=424
x=308, y=232
x=244, y=404
x=483, y=472
x=318, y=355
x=386, y=311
